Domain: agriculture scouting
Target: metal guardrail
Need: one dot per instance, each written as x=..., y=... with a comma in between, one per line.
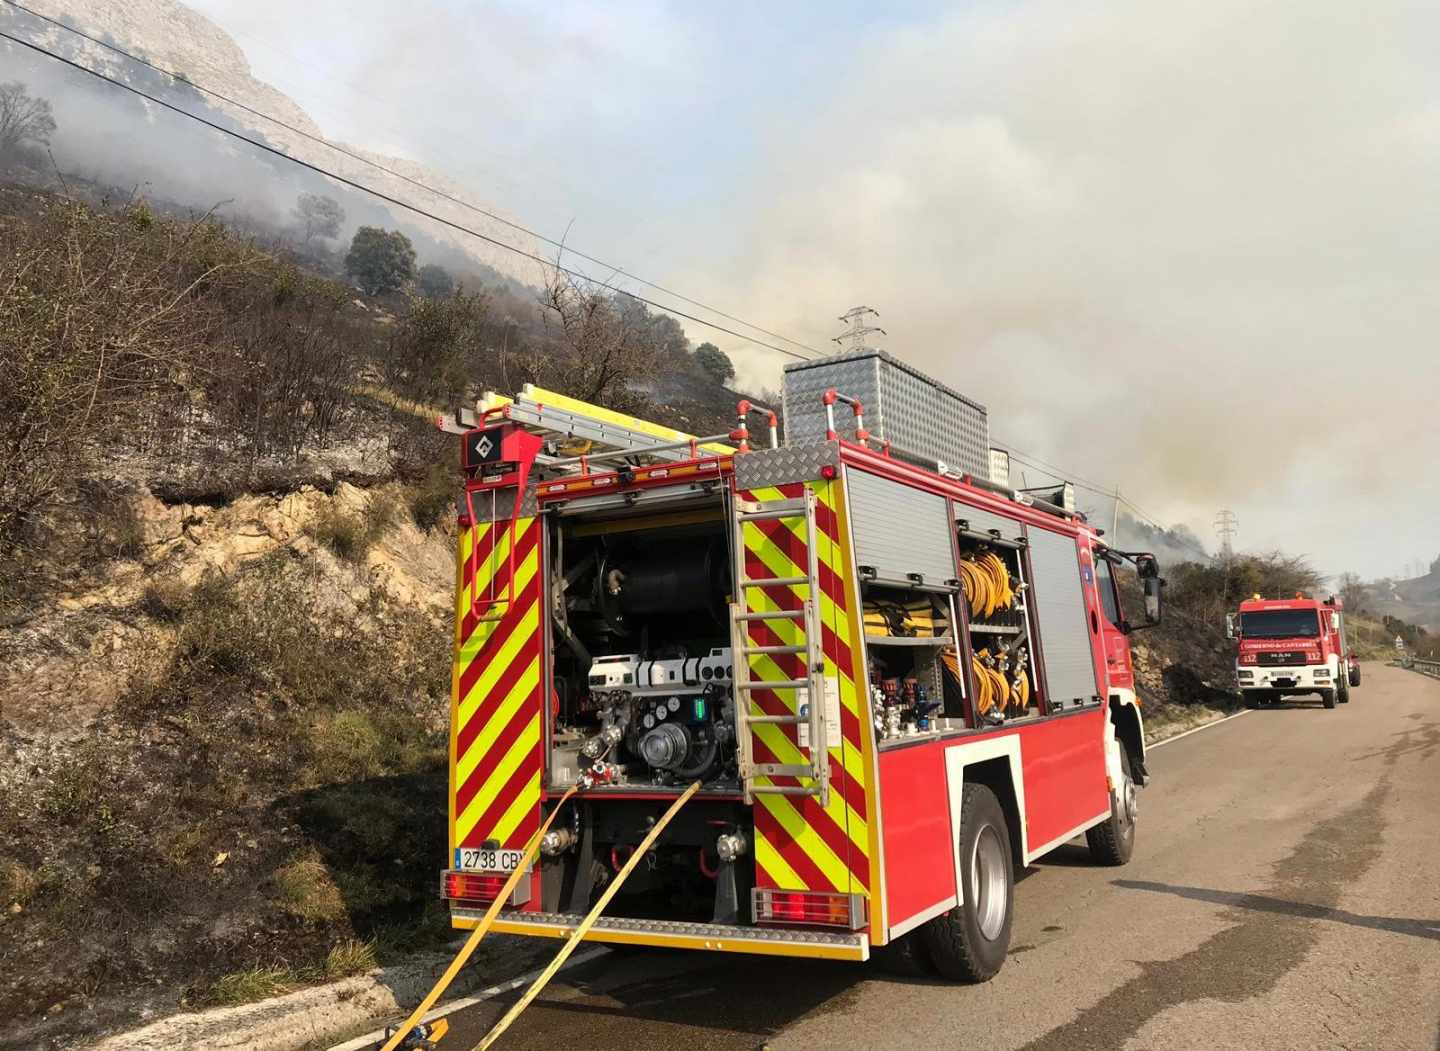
x=1430, y=668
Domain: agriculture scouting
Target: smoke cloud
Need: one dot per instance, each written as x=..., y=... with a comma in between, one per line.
x=1186, y=249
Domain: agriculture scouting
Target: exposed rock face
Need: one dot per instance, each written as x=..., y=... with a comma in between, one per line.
x=77, y=655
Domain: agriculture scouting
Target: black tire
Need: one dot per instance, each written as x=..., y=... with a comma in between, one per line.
x=1344, y=691
x=969, y=943
x=1355, y=676
x=1328, y=697
x=1113, y=841
x=907, y=956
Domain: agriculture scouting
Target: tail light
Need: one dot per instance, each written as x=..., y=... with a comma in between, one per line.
x=1247, y=658
x=809, y=909
x=480, y=887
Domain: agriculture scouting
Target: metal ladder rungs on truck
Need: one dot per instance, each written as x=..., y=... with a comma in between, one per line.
x=576, y=432
x=810, y=714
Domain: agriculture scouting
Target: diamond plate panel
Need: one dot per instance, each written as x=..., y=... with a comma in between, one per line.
x=789, y=463
x=923, y=419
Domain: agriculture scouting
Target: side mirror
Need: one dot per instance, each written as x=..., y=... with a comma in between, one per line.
x=1229, y=625
x=1153, y=587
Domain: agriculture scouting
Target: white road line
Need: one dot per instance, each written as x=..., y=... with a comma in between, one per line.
x=470, y=1001
x=1197, y=729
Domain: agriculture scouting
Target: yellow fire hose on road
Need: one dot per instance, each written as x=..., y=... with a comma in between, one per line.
x=468, y=949
x=463, y=956
x=587, y=922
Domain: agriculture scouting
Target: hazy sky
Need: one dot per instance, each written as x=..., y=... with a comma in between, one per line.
x=1189, y=249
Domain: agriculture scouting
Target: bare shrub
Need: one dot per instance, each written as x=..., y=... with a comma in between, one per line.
x=604, y=348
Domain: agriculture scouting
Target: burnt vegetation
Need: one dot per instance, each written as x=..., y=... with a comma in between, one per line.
x=262, y=805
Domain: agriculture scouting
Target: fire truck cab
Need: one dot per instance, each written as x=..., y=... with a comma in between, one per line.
x=1289, y=647
x=897, y=683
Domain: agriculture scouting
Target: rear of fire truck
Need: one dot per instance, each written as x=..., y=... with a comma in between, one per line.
x=597, y=629
x=1290, y=647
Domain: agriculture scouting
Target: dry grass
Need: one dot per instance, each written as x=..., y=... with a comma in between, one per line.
x=164, y=598
x=351, y=534
x=305, y=888
x=350, y=957
x=246, y=987
x=20, y=883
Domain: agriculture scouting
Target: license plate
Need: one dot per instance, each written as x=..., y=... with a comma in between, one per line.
x=482, y=859
x=1284, y=682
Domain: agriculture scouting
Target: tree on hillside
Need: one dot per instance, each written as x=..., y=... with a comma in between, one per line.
x=319, y=216
x=434, y=282
x=608, y=347
x=715, y=362
x=23, y=118
x=1351, y=591
x=380, y=261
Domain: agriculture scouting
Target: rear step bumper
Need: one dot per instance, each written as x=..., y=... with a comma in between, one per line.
x=715, y=937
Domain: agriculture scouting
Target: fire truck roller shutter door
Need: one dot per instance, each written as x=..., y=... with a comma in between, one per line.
x=1064, y=626
x=977, y=520
x=900, y=530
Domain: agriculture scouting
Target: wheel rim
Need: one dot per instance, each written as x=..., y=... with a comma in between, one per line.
x=987, y=877
x=1129, y=801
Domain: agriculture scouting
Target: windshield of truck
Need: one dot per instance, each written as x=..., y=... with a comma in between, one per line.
x=1280, y=624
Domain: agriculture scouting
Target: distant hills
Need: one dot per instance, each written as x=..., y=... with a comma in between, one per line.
x=1416, y=601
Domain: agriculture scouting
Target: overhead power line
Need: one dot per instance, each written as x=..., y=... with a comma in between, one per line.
x=1060, y=474
x=318, y=169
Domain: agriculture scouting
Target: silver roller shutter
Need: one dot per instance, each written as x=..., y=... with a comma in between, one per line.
x=1059, y=605
x=900, y=530
x=980, y=521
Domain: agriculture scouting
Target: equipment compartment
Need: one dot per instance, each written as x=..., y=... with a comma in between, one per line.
x=995, y=592
x=907, y=632
x=643, y=671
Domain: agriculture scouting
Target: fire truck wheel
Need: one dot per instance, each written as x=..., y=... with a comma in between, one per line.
x=1113, y=841
x=907, y=956
x=969, y=943
x=1344, y=691
x=1328, y=697
x=1355, y=676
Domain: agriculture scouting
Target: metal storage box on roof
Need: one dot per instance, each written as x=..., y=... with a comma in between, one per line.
x=923, y=420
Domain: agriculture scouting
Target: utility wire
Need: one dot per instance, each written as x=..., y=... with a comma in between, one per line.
x=1025, y=458
x=321, y=140
x=396, y=201
x=1095, y=487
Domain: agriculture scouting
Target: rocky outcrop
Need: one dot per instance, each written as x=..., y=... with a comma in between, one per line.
x=82, y=647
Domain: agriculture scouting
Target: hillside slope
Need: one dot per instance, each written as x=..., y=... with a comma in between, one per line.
x=177, y=38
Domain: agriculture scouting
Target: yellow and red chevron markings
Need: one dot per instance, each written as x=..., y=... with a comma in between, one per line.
x=799, y=844
x=496, y=700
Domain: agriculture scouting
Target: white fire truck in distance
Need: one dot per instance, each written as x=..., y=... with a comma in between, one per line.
x=896, y=680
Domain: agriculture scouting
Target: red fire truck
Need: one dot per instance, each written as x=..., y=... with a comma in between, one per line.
x=896, y=681
x=1292, y=646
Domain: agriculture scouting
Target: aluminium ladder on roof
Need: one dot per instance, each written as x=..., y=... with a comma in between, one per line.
x=810, y=713
x=561, y=420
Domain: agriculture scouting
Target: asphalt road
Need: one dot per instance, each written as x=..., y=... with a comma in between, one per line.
x=1285, y=893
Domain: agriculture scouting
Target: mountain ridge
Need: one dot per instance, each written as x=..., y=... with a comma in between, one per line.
x=179, y=39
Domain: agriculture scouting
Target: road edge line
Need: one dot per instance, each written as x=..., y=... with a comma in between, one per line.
x=360, y=1042
x=1196, y=729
